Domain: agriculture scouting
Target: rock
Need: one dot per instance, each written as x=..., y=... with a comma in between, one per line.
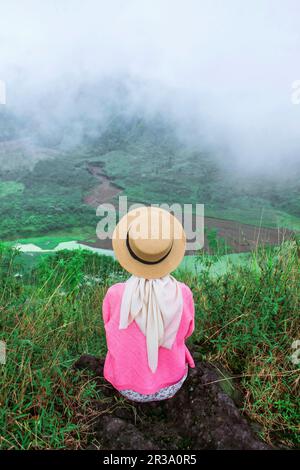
x=202, y=415
x=116, y=433
x=89, y=362
x=209, y=416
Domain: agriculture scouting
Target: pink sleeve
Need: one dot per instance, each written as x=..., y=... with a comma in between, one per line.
x=191, y=310
x=106, y=308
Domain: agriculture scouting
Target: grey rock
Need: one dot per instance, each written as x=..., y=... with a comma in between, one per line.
x=204, y=414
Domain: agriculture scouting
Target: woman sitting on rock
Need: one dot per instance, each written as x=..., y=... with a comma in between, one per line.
x=148, y=318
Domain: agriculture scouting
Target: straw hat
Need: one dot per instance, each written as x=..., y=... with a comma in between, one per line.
x=149, y=242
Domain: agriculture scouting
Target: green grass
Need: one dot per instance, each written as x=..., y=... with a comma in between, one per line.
x=246, y=319
x=52, y=200
x=259, y=216
x=47, y=321
x=51, y=240
x=219, y=264
x=10, y=187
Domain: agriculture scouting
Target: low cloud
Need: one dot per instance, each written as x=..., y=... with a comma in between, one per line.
x=222, y=72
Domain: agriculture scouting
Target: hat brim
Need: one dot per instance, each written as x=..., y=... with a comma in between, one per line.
x=140, y=269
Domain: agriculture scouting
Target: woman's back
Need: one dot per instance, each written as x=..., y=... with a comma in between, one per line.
x=126, y=365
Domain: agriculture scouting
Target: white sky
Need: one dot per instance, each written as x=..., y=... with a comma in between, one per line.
x=229, y=64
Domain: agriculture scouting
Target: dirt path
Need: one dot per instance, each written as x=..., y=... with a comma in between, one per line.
x=244, y=237
x=103, y=192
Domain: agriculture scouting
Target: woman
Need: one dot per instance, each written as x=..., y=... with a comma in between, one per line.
x=148, y=318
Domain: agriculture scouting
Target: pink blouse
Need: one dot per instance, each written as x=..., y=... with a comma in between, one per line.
x=126, y=363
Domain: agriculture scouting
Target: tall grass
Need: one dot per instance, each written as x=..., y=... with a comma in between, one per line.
x=48, y=319
x=246, y=320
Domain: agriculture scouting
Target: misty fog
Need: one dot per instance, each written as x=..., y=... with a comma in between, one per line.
x=221, y=72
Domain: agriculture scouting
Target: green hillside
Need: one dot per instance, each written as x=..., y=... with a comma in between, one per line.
x=148, y=161
x=246, y=319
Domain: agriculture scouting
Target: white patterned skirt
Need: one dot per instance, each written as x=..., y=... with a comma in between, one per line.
x=162, y=394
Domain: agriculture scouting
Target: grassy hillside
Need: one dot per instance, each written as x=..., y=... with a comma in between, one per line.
x=246, y=319
x=153, y=166
x=149, y=162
